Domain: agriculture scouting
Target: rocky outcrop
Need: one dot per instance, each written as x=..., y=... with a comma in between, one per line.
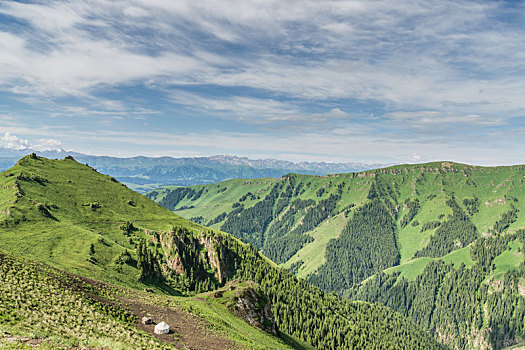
x=214, y=250
x=170, y=246
x=182, y=251
x=254, y=308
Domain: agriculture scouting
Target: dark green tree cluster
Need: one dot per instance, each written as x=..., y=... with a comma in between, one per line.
x=128, y=228
x=292, y=188
x=456, y=304
x=430, y=225
x=385, y=191
x=283, y=248
x=217, y=219
x=457, y=232
x=284, y=240
x=32, y=178
x=249, y=196
x=318, y=213
x=251, y=223
x=286, y=222
x=175, y=196
x=125, y=258
x=488, y=248
x=198, y=219
x=295, y=266
x=367, y=245
x=413, y=209
x=507, y=310
x=472, y=205
x=198, y=274
x=148, y=263
x=506, y=219
x=43, y=210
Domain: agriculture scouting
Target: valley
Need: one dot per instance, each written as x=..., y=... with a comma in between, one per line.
x=384, y=235
x=62, y=222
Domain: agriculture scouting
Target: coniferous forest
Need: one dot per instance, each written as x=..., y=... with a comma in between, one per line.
x=439, y=243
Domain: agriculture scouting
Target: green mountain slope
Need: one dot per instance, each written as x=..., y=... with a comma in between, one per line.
x=54, y=211
x=46, y=307
x=339, y=231
x=479, y=306
x=71, y=217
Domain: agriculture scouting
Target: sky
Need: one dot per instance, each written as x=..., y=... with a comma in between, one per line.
x=309, y=80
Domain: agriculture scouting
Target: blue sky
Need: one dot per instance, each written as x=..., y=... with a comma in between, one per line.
x=387, y=81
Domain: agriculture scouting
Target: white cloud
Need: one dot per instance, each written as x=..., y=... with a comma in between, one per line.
x=51, y=17
x=47, y=145
x=248, y=109
x=256, y=110
x=12, y=142
x=135, y=11
x=436, y=118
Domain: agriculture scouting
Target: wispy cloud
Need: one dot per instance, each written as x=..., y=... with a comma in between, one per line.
x=256, y=110
x=408, y=54
x=435, y=118
x=420, y=68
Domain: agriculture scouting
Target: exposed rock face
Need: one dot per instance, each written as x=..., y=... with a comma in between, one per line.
x=213, y=246
x=170, y=245
x=208, y=245
x=255, y=309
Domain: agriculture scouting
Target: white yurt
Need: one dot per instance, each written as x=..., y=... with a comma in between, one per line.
x=162, y=328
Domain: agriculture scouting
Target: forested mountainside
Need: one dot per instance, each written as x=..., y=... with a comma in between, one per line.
x=480, y=305
x=407, y=236
x=88, y=225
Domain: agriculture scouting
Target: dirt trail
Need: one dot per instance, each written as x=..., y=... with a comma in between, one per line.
x=187, y=331
x=190, y=332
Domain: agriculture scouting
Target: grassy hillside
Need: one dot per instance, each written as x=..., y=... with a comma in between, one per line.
x=54, y=211
x=485, y=194
x=338, y=231
x=45, y=307
x=67, y=215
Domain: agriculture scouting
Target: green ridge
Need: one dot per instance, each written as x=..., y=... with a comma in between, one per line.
x=496, y=190
x=440, y=211
x=69, y=216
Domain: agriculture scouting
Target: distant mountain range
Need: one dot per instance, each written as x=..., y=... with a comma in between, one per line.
x=146, y=173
